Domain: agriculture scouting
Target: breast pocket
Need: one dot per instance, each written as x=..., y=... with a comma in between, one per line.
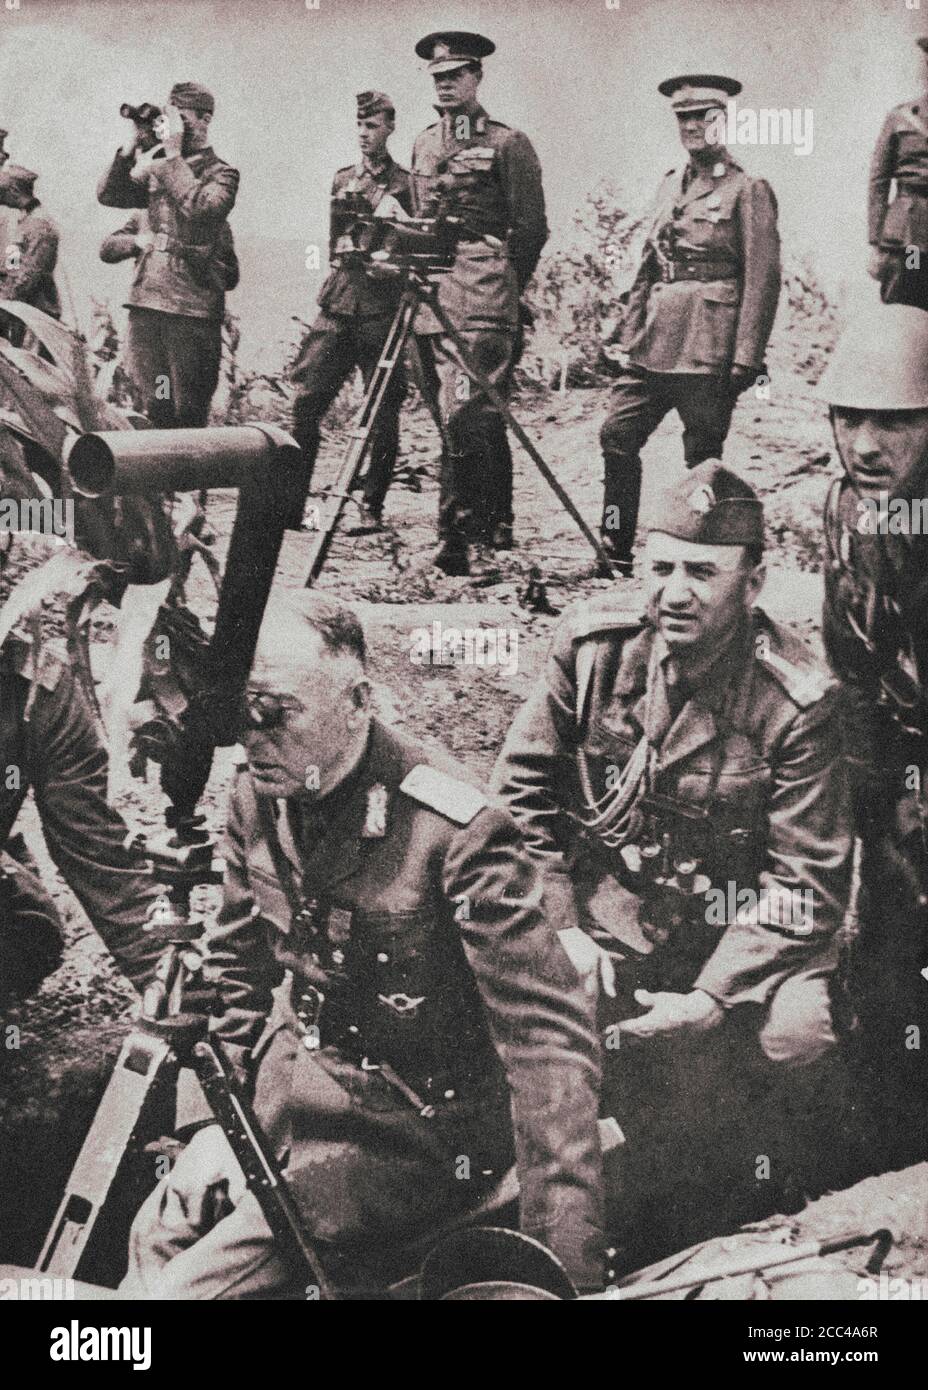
x=270, y=899
x=717, y=319
x=397, y=959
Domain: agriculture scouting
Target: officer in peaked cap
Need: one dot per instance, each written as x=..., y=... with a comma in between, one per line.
x=898, y=230
x=669, y=761
x=486, y=175
x=875, y=628
x=356, y=311
x=696, y=320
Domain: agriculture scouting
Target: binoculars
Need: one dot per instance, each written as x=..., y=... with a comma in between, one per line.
x=143, y=118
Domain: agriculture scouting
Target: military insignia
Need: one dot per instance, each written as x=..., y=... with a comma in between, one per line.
x=715, y=217
x=701, y=499
x=713, y=201
x=338, y=926
x=718, y=170
x=375, y=820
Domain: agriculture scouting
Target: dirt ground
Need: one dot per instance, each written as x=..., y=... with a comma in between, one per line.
x=70, y=1031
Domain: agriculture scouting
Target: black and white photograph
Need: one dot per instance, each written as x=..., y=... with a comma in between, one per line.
x=464, y=664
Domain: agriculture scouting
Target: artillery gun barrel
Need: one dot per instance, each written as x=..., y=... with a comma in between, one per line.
x=132, y=462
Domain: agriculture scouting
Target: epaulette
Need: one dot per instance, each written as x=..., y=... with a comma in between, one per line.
x=805, y=685
x=51, y=667
x=443, y=793
x=586, y=620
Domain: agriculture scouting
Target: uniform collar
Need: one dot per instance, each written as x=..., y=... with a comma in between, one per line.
x=381, y=172
x=479, y=120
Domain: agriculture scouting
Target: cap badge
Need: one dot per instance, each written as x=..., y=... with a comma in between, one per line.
x=718, y=170
x=702, y=499
x=375, y=821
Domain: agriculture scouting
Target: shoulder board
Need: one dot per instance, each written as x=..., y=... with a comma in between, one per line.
x=22, y=656
x=805, y=685
x=443, y=793
x=586, y=620
x=346, y=169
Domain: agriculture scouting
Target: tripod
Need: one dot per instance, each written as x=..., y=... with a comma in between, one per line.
x=420, y=288
x=164, y=1040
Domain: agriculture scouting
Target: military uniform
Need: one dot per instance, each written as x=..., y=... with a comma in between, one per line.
x=488, y=175
x=874, y=627
x=48, y=735
x=703, y=302
x=428, y=1019
x=899, y=229
x=29, y=250
x=652, y=806
x=177, y=300
x=351, y=330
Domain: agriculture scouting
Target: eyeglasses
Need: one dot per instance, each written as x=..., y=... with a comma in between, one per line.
x=262, y=710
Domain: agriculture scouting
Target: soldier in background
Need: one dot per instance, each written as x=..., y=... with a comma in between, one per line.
x=875, y=627
x=488, y=175
x=428, y=1017
x=27, y=270
x=898, y=230
x=177, y=301
x=697, y=318
x=660, y=756
x=356, y=313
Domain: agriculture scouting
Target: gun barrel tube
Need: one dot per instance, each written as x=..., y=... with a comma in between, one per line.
x=131, y=462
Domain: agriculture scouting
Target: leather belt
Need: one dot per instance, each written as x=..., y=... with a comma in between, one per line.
x=697, y=270
x=164, y=242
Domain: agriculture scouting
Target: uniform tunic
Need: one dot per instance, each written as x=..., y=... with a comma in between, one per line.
x=177, y=299
x=488, y=175
x=703, y=300
x=49, y=735
x=350, y=331
x=876, y=599
x=419, y=949
x=899, y=227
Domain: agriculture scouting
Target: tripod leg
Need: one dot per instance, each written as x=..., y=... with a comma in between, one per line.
x=139, y=1069
x=489, y=390
x=361, y=431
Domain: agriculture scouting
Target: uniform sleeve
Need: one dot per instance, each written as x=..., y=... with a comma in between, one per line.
x=760, y=252
x=85, y=835
x=535, y=765
x=120, y=246
x=809, y=850
x=520, y=172
x=117, y=190
x=882, y=166
x=403, y=195
x=333, y=221
x=543, y=1026
x=38, y=258
x=205, y=201
x=239, y=960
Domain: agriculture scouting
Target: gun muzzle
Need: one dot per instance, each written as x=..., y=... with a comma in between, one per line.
x=131, y=462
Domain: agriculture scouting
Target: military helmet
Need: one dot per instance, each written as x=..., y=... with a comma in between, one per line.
x=881, y=361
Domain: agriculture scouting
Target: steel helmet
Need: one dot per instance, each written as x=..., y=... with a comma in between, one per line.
x=881, y=361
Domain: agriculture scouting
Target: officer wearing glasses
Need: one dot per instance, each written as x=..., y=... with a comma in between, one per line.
x=426, y=1026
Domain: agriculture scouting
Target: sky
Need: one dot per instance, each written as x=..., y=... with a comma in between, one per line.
x=578, y=76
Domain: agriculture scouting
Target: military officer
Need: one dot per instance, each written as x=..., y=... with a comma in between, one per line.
x=488, y=175
x=876, y=637
x=427, y=1018
x=898, y=230
x=28, y=268
x=50, y=743
x=677, y=780
x=356, y=312
x=177, y=301
x=698, y=315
